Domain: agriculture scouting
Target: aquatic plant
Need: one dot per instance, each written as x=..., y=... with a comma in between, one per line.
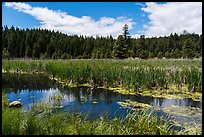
x=132, y=75
x=15, y=121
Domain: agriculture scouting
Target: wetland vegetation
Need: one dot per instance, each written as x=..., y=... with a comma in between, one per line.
x=73, y=124
x=167, y=79
x=98, y=86
x=160, y=78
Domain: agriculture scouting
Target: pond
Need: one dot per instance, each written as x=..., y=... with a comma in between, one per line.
x=29, y=89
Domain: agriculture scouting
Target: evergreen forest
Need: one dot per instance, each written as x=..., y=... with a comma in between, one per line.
x=47, y=44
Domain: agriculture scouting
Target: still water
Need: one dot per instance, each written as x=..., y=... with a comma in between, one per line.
x=29, y=89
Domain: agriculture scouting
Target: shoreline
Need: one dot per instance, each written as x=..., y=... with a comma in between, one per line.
x=171, y=93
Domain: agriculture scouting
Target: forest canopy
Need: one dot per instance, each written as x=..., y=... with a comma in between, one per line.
x=47, y=44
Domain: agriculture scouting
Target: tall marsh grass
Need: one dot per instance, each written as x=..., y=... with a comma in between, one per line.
x=17, y=122
x=129, y=74
x=41, y=120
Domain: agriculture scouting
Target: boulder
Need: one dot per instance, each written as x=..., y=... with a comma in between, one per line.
x=15, y=104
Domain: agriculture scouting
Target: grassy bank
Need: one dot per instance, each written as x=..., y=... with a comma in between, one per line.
x=182, y=78
x=15, y=121
x=42, y=120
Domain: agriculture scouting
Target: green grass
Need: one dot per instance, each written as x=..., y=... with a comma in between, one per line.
x=38, y=121
x=138, y=75
x=41, y=120
x=17, y=122
x=132, y=75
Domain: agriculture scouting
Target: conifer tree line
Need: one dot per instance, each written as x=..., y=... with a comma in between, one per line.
x=47, y=44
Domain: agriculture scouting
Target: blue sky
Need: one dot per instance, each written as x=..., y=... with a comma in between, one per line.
x=104, y=18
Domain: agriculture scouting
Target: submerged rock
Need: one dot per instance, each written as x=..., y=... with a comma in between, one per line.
x=15, y=104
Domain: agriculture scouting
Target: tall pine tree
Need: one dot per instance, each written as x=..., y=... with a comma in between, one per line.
x=120, y=48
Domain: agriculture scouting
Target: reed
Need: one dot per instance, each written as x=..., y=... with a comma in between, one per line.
x=138, y=75
x=17, y=122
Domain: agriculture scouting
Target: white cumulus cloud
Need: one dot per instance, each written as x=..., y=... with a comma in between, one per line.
x=166, y=18
x=173, y=17
x=69, y=24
